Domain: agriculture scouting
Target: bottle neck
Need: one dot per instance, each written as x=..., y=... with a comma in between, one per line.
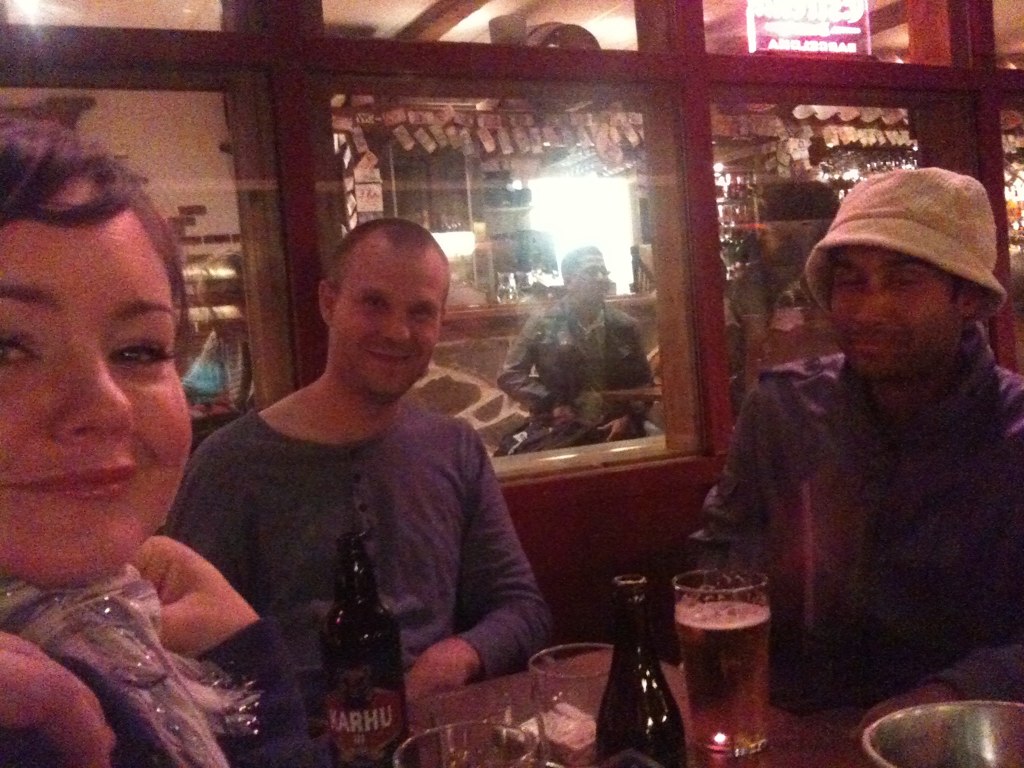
x=354, y=581
x=632, y=631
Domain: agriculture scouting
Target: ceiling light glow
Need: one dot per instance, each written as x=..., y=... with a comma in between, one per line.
x=29, y=9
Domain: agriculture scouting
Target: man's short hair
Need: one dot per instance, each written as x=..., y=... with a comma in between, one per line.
x=401, y=234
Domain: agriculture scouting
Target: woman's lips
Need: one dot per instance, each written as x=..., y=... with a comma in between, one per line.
x=84, y=484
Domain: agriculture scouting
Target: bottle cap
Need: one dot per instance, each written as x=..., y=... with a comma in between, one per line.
x=636, y=580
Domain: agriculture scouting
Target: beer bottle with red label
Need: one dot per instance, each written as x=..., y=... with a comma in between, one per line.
x=362, y=654
x=638, y=711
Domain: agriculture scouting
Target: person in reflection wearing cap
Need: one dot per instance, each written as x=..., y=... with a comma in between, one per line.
x=567, y=356
x=882, y=488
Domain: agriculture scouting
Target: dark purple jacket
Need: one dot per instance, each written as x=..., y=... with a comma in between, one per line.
x=896, y=553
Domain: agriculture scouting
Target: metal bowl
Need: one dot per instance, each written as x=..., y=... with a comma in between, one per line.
x=957, y=734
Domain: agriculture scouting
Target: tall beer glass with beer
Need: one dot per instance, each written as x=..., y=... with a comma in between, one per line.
x=722, y=622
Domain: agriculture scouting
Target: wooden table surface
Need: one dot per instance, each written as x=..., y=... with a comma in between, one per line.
x=822, y=740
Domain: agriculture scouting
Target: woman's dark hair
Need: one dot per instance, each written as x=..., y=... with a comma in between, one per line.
x=39, y=159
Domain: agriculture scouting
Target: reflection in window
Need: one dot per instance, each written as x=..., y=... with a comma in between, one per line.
x=510, y=187
x=153, y=14
x=605, y=24
x=886, y=30
x=1013, y=170
x=1009, y=27
x=191, y=177
x=781, y=171
x=899, y=30
x=860, y=28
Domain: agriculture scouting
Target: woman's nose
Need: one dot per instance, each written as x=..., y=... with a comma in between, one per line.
x=92, y=400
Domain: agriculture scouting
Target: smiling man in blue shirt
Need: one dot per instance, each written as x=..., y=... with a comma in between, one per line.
x=266, y=497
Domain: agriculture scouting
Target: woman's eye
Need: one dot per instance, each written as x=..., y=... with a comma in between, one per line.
x=13, y=350
x=143, y=353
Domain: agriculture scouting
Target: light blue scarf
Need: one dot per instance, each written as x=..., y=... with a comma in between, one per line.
x=113, y=627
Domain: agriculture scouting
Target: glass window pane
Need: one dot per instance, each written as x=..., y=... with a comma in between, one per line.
x=153, y=14
x=233, y=268
x=1013, y=157
x=510, y=184
x=781, y=170
x=604, y=24
x=886, y=30
x=1009, y=26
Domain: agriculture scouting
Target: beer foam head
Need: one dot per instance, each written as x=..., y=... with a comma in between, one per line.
x=723, y=614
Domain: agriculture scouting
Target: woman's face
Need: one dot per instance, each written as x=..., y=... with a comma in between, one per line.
x=94, y=429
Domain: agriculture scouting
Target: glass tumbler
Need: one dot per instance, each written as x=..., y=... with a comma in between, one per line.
x=468, y=744
x=568, y=682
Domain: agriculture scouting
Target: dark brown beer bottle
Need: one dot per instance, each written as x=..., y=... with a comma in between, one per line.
x=637, y=710
x=362, y=654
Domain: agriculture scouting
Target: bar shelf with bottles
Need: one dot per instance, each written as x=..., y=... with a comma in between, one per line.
x=737, y=203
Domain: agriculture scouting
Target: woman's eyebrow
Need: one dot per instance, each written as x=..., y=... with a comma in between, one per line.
x=139, y=307
x=28, y=294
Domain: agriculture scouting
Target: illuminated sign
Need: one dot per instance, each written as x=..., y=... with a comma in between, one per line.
x=809, y=26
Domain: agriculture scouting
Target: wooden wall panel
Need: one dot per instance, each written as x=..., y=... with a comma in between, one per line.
x=580, y=531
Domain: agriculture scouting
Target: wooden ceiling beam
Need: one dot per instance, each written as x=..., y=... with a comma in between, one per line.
x=437, y=20
x=888, y=17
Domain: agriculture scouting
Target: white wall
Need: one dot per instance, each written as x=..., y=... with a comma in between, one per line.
x=172, y=138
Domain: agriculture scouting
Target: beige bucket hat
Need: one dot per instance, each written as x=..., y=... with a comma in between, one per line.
x=932, y=214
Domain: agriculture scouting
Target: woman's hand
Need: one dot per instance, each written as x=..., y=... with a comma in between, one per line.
x=199, y=608
x=41, y=695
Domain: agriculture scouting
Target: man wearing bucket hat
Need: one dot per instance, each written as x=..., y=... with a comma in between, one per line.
x=882, y=488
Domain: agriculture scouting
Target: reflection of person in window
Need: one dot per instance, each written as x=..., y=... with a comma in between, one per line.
x=765, y=296
x=568, y=355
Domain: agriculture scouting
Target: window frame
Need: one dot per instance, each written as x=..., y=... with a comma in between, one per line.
x=291, y=55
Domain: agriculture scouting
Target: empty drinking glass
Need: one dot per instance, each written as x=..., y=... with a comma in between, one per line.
x=568, y=682
x=468, y=744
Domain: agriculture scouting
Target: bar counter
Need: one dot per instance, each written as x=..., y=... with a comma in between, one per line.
x=821, y=740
